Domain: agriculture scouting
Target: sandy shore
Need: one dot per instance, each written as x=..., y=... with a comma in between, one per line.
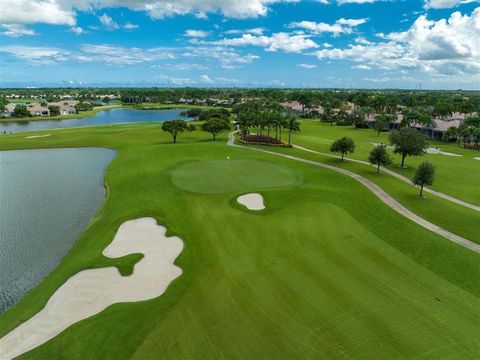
x=91, y=291
x=252, y=201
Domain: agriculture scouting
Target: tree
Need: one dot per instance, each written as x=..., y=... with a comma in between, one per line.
x=191, y=128
x=292, y=125
x=408, y=142
x=424, y=175
x=382, y=122
x=21, y=111
x=193, y=113
x=379, y=156
x=450, y=133
x=174, y=127
x=215, y=126
x=54, y=110
x=219, y=113
x=344, y=146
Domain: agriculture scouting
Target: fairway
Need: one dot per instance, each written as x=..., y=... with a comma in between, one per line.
x=222, y=176
x=326, y=271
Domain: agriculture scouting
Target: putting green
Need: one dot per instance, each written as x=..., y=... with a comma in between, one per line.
x=224, y=176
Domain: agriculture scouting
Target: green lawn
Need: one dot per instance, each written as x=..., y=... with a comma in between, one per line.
x=226, y=176
x=456, y=176
x=327, y=271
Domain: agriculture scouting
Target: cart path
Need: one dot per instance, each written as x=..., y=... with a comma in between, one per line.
x=377, y=191
x=400, y=177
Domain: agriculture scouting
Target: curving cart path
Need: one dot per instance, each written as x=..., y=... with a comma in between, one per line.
x=377, y=191
x=400, y=177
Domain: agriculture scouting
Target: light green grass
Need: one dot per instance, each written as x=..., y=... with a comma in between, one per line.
x=456, y=176
x=214, y=177
x=327, y=271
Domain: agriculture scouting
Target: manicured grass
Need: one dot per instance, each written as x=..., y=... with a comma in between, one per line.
x=215, y=176
x=456, y=176
x=326, y=271
x=455, y=218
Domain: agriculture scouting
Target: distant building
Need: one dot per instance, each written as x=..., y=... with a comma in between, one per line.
x=37, y=109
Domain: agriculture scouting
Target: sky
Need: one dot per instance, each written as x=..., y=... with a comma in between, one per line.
x=409, y=44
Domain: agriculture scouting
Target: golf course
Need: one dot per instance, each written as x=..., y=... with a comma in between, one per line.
x=326, y=270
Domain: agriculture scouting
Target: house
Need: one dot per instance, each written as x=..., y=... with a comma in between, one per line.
x=441, y=124
x=65, y=107
x=8, y=110
x=37, y=109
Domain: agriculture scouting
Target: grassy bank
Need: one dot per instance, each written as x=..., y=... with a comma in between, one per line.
x=326, y=271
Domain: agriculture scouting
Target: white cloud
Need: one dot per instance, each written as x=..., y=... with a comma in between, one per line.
x=182, y=81
x=341, y=26
x=36, y=11
x=277, y=41
x=254, y=31
x=114, y=55
x=16, y=30
x=63, y=12
x=444, y=47
x=226, y=57
x=206, y=78
x=108, y=22
x=196, y=33
x=77, y=30
x=341, y=2
x=36, y=55
x=180, y=66
x=130, y=26
x=361, y=67
x=444, y=4
x=118, y=55
x=307, y=66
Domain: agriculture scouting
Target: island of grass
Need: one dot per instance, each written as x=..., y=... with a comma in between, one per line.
x=325, y=271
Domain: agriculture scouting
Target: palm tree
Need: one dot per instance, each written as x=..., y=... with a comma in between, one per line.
x=292, y=125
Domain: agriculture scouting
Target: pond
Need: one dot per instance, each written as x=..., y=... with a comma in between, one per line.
x=108, y=117
x=48, y=198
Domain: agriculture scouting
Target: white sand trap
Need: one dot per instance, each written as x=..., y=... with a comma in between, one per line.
x=37, y=136
x=91, y=291
x=252, y=201
x=476, y=158
x=437, y=151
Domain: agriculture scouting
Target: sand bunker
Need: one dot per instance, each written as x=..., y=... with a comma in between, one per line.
x=91, y=291
x=437, y=151
x=476, y=158
x=37, y=136
x=252, y=201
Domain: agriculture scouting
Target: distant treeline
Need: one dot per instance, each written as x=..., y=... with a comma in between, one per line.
x=460, y=100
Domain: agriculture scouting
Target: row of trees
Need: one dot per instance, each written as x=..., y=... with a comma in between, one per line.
x=267, y=121
x=406, y=143
x=213, y=126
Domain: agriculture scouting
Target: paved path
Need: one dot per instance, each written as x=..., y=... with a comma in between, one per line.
x=400, y=177
x=377, y=191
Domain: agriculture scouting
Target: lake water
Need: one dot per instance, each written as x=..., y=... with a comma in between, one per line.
x=114, y=116
x=47, y=198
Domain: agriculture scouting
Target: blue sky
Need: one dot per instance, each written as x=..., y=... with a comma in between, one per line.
x=434, y=44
